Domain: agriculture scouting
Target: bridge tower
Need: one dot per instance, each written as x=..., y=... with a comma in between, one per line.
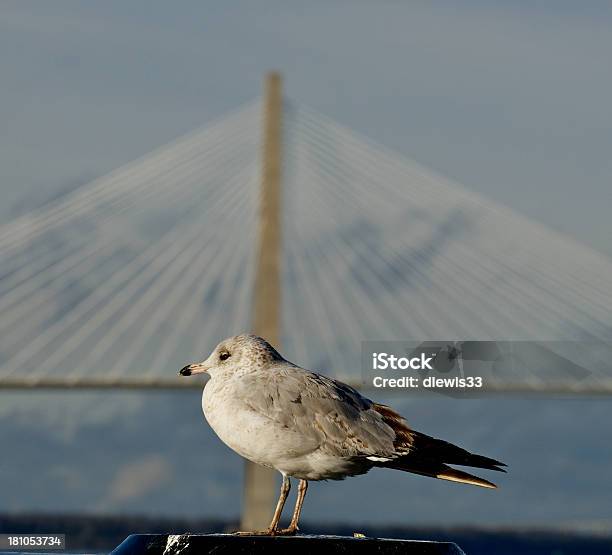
x=259, y=482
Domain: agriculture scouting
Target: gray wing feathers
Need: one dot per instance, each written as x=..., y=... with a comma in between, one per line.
x=330, y=415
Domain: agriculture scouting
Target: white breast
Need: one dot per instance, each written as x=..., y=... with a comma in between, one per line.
x=250, y=434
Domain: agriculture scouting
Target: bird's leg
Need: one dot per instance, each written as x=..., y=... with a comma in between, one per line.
x=272, y=529
x=284, y=492
x=293, y=526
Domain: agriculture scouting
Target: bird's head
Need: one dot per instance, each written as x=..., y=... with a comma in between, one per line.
x=239, y=352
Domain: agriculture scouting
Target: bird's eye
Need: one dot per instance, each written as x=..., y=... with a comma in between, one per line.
x=224, y=355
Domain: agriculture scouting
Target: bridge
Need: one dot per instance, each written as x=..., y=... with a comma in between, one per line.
x=123, y=281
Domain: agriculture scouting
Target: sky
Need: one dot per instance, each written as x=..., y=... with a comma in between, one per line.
x=509, y=98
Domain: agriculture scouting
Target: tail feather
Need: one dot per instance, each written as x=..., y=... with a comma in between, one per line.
x=438, y=470
x=454, y=475
x=422, y=454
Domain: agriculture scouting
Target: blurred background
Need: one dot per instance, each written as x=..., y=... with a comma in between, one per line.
x=131, y=163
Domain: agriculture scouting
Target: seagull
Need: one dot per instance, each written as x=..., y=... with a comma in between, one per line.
x=312, y=427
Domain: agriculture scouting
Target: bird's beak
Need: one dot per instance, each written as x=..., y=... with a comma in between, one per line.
x=196, y=368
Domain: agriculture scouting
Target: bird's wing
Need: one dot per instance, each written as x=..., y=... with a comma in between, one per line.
x=335, y=418
x=330, y=414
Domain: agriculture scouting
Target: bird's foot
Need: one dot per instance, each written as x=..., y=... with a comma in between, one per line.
x=266, y=532
x=291, y=531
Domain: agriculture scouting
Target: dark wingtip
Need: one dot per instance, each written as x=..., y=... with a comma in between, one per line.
x=498, y=464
